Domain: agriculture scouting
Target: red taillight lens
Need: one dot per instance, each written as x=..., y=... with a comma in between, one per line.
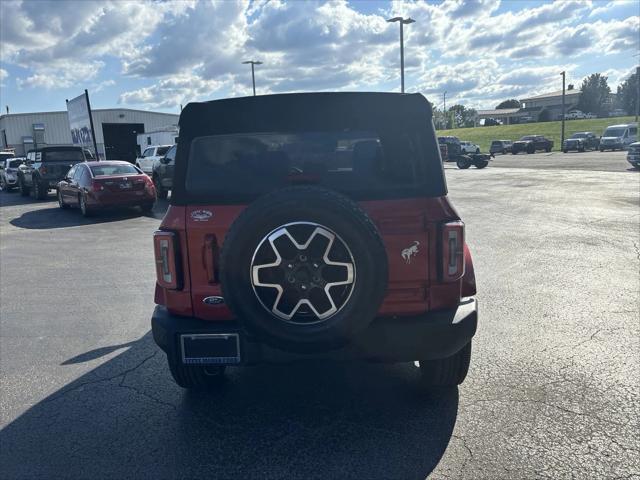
x=167, y=267
x=96, y=186
x=452, y=251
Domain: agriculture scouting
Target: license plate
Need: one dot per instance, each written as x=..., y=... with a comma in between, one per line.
x=125, y=185
x=210, y=349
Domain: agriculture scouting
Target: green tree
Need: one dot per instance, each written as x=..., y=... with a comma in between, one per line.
x=463, y=116
x=511, y=103
x=627, y=94
x=595, y=94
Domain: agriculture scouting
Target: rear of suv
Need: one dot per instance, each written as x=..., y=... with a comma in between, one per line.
x=44, y=168
x=312, y=226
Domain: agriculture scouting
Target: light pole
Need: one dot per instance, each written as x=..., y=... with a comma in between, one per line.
x=637, y=92
x=444, y=108
x=403, y=22
x=253, y=74
x=562, y=134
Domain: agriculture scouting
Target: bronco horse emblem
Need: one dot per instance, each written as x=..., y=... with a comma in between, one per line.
x=411, y=251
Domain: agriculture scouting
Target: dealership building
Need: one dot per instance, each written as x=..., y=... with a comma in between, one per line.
x=116, y=130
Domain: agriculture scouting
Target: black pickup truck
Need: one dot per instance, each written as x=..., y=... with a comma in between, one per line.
x=45, y=167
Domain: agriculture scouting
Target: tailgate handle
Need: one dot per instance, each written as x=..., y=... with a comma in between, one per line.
x=210, y=257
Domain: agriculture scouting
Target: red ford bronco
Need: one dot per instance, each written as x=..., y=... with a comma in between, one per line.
x=312, y=226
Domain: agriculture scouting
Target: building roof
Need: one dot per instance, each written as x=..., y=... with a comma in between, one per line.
x=557, y=93
x=93, y=110
x=499, y=111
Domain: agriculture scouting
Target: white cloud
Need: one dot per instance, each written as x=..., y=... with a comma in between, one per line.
x=3, y=74
x=61, y=75
x=172, y=92
x=475, y=49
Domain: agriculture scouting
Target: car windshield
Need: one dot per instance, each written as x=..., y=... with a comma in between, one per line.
x=614, y=132
x=529, y=137
x=14, y=163
x=579, y=135
x=71, y=155
x=495, y=142
x=113, y=169
x=256, y=163
x=162, y=150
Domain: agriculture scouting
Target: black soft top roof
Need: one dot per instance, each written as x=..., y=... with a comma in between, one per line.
x=304, y=112
x=389, y=113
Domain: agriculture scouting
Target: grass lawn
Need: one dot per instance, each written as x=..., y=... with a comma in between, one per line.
x=484, y=135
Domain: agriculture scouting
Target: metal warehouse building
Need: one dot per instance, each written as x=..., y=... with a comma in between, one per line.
x=116, y=130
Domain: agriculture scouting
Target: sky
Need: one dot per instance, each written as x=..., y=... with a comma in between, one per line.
x=157, y=55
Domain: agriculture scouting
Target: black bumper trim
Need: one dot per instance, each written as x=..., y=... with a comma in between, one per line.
x=438, y=334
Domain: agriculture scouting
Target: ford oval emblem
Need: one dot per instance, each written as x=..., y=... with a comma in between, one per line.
x=213, y=300
x=201, y=215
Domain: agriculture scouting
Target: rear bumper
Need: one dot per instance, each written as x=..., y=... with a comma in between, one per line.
x=433, y=335
x=120, y=202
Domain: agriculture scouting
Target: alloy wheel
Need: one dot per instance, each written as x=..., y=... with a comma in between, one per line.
x=303, y=273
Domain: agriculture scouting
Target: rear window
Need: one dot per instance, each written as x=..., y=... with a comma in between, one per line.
x=252, y=164
x=106, y=170
x=63, y=156
x=162, y=150
x=496, y=143
x=14, y=163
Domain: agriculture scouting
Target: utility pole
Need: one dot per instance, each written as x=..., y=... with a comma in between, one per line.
x=403, y=22
x=562, y=134
x=253, y=74
x=637, y=92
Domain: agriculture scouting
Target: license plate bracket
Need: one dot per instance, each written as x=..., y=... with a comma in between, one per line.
x=210, y=348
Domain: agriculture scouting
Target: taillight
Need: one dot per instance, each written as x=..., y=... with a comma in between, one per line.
x=452, y=251
x=167, y=267
x=96, y=186
x=149, y=184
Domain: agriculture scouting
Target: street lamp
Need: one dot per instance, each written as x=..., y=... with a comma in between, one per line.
x=403, y=22
x=253, y=74
x=563, y=115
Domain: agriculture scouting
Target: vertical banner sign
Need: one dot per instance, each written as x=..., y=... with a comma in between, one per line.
x=81, y=123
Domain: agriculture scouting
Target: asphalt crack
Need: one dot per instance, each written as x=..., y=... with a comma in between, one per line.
x=75, y=388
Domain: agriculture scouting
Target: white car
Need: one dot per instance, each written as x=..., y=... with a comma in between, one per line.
x=468, y=147
x=150, y=155
x=9, y=171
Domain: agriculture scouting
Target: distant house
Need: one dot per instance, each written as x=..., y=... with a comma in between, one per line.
x=532, y=106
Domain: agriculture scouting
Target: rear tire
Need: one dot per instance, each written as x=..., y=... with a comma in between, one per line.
x=446, y=372
x=197, y=377
x=463, y=163
x=61, y=203
x=161, y=193
x=565, y=151
x=39, y=191
x=481, y=164
x=84, y=208
x=548, y=149
x=24, y=190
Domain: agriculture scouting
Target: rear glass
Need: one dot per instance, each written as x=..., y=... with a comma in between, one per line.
x=106, y=170
x=14, y=163
x=348, y=161
x=63, y=156
x=579, y=135
x=496, y=143
x=528, y=138
x=162, y=150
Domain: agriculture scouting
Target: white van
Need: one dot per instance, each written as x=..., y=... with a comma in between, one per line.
x=619, y=137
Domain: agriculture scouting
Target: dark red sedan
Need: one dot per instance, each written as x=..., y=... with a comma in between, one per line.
x=96, y=185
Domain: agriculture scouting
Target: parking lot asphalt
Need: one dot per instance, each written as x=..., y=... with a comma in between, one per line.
x=553, y=390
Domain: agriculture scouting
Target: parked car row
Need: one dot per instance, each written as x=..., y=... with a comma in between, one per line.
x=82, y=182
x=615, y=137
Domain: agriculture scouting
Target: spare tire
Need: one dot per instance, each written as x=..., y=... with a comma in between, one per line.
x=304, y=269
